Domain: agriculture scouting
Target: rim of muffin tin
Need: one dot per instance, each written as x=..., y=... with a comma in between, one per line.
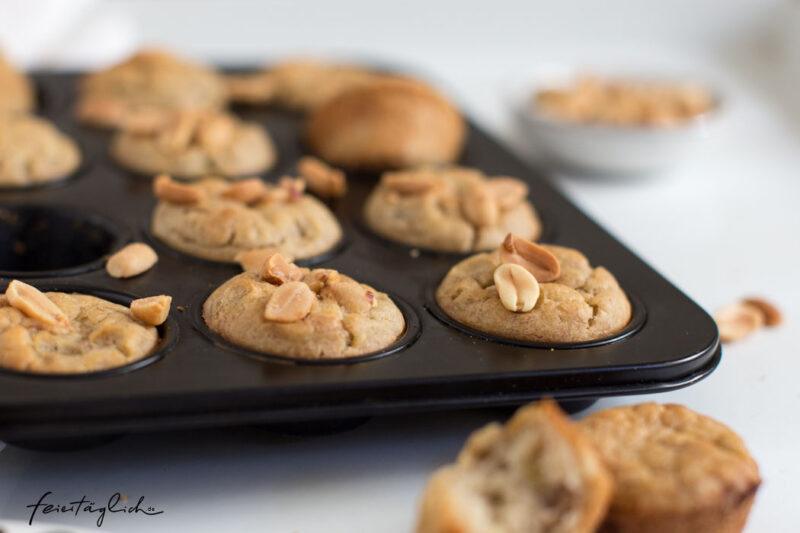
x=337, y=249
x=634, y=325
x=83, y=168
x=168, y=333
x=547, y=235
x=121, y=235
x=410, y=334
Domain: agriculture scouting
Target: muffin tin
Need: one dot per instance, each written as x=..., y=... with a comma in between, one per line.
x=56, y=237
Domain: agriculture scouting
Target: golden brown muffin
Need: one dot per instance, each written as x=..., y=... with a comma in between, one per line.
x=454, y=209
x=192, y=144
x=537, y=474
x=674, y=470
x=149, y=83
x=307, y=314
x=300, y=85
x=389, y=123
x=581, y=304
x=16, y=90
x=216, y=220
x=33, y=151
x=56, y=332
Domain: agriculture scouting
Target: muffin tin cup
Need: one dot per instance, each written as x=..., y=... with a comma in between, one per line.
x=206, y=381
x=167, y=335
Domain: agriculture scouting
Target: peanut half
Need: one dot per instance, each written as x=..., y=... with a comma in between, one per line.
x=216, y=131
x=35, y=304
x=508, y=192
x=253, y=260
x=536, y=259
x=132, y=260
x=480, y=206
x=409, y=183
x=772, y=315
x=517, y=288
x=738, y=320
x=323, y=180
x=278, y=269
x=165, y=188
x=290, y=302
x=247, y=191
x=152, y=310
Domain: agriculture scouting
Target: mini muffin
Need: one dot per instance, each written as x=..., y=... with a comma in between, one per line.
x=16, y=90
x=534, y=293
x=674, y=470
x=300, y=85
x=56, y=332
x=214, y=219
x=192, y=144
x=306, y=314
x=149, y=83
x=535, y=474
x=452, y=209
x=33, y=151
x=389, y=123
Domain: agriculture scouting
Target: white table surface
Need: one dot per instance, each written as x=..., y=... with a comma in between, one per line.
x=722, y=226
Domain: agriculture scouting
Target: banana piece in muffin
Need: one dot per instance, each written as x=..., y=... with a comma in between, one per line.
x=286, y=310
x=451, y=209
x=33, y=151
x=673, y=469
x=553, y=295
x=63, y=333
x=192, y=144
x=388, y=123
x=16, y=90
x=536, y=474
x=216, y=219
x=148, y=83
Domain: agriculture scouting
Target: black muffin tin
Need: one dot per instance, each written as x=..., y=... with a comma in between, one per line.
x=56, y=237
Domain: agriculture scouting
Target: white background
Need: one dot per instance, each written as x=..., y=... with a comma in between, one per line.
x=721, y=226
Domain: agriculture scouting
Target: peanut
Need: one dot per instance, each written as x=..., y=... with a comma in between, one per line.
x=772, y=315
x=323, y=180
x=152, y=310
x=178, y=135
x=409, y=183
x=320, y=277
x=294, y=186
x=215, y=131
x=277, y=269
x=738, y=320
x=247, y=191
x=132, y=260
x=507, y=192
x=480, y=206
x=517, y=288
x=290, y=302
x=35, y=304
x=536, y=259
x=253, y=260
x=351, y=295
x=165, y=188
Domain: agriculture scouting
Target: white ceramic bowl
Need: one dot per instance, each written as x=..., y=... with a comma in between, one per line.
x=606, y=149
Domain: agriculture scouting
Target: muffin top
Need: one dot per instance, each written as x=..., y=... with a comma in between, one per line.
x=216, y=219
x=56, y=332
x=33, y=151
x=452, y=209
x=300, y=84
x=295, y=312
x=534, y=293
x=390, y=122
x=192, y=144
x=16, y=90
x=149, y=82
x=667, y=459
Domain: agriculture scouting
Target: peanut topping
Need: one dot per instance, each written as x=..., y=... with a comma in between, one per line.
x=152, y=310
x=351, y=295
x=247, y=191
x=480, y=206
x=517, y=288
x=179, y=134
x=132, y=260
x=320, y=277
x=507, y=192
x=290, y=302
x=35, y=304
x=277, y=269
x=323, y=180
x=536, y=259
x=294, y=186
x=165, y=188
x=409, y=183
x=216, y=131
x=772, y=315
x=738, y=320
x=253, y=260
